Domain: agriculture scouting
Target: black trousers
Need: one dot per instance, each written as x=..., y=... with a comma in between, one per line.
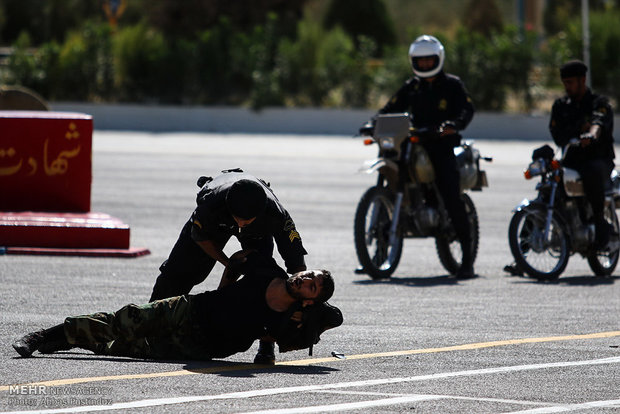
x=448, y=180
x=189, y=265
x=594, y=175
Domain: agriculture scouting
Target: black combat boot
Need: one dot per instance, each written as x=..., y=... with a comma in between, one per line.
x=45, y=341
x=602, y=233
x=466, y=271
x=513, y=269
x=266, y=353
x=55, y=340
x=29, y=343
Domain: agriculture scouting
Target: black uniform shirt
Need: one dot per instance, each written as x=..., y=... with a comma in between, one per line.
x=212, y=221
x=571, y=118
x=432, y=103
x=232, y=318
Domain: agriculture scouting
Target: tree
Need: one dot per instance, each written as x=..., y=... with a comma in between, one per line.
x=45, y=20
x=367, y=18
x=559, y=13
x=482, y=16
x=188, y=17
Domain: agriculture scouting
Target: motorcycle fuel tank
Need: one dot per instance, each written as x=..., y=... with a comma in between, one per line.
x=422, y=165
x=572, y=183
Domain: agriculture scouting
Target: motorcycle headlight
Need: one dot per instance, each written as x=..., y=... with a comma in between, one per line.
x=387, y=143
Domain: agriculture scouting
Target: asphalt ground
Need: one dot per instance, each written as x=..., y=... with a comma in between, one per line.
x=420, y=342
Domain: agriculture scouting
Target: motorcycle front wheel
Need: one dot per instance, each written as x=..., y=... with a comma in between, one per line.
x=373, y=219
x=449, y=246
x=539, y=258
x=604, y=262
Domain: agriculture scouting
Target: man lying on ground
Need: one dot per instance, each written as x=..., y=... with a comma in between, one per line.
x=213, y=324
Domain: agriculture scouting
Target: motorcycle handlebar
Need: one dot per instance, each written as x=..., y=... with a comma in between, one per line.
x=423, y=134
x=573, y=142
x=367, y=130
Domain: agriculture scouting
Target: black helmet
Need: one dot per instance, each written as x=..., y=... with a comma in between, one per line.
x=246, y=199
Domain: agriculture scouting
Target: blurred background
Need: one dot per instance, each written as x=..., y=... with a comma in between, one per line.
x=298, y=53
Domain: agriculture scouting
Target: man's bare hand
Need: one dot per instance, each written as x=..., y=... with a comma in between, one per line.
x=586, y=139
x=448, y=131
x=296, y=317
x=234, y=268
x=241, y=254
x=447, y=128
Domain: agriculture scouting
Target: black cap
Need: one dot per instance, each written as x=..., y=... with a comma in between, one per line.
x=246, y=199
x=573, y=68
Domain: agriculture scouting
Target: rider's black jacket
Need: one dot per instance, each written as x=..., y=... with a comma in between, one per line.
x=432, y=103
x=571, y=118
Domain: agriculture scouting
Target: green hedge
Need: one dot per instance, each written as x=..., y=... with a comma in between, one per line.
x=494, y=66
x=604, y=51
x=314, y=67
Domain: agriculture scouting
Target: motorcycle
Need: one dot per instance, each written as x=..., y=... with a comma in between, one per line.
x=405, y=202
x=544, y=232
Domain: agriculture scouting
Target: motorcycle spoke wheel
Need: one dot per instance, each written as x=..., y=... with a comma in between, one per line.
x=604, y=262
x=373, y=218
x=539, y=258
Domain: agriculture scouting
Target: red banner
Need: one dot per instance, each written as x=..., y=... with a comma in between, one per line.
x=45, y=161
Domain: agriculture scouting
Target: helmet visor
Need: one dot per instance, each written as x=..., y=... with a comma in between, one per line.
x=425, y=63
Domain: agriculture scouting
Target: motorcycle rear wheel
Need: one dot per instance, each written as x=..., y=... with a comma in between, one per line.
x=604, y=262
x=449, y=247
x=373, y=219
x=539, y=259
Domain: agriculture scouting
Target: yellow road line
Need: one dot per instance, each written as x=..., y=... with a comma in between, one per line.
x=311, y=361
x=464, y=347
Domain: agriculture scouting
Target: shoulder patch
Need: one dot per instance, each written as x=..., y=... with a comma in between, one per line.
x=289, y=225
x=293, y=235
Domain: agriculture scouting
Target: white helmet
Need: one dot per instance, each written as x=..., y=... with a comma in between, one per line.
x=426, y=46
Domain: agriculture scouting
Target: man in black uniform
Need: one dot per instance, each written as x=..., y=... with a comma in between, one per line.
x=232, y=204
x=588, y=116
x=213, y=324
x=439, y=101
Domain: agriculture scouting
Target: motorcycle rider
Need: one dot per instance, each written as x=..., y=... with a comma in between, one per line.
x=581, y=113
x=440, y=102
x=589, y=116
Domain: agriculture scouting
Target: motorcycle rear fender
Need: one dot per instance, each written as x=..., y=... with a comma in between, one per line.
x=377, y=164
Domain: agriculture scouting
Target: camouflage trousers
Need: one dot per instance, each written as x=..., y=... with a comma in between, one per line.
x=158, y=330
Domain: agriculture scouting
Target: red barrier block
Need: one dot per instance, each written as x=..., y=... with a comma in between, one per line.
x=50, y=251
x=45, y=161
x=62, y=230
